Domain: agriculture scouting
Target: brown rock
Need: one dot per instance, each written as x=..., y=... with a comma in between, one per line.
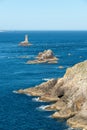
x=44, y=57
x=70, y=94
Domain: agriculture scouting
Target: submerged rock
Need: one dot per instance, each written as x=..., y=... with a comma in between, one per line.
x=44, y=57
x=25, y=42
x=69, y=94
x=60, y=67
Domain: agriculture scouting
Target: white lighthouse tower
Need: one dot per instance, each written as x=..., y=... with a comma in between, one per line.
x=26, y=38
x=25, y=42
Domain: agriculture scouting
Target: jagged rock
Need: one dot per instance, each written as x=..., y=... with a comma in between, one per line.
x=59, y=105
x=65, y=114
x=40, y=90
x=70, y=94
x=44, y=57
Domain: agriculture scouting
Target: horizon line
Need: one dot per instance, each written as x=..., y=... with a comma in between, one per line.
x=41, y=30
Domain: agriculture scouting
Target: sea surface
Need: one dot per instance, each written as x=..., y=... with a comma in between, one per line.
x=23, y=112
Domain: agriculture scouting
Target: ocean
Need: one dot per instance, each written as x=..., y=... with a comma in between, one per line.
x=24, y=112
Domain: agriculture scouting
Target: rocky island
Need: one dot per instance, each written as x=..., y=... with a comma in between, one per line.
x=46, y=56
x=68, y=93
x=25, y=42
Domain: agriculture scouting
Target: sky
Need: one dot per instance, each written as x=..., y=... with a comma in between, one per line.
x=43, y=14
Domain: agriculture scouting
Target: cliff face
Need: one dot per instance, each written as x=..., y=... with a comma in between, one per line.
x=70, y=94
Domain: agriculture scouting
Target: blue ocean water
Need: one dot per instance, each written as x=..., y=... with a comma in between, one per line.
x=21, y=112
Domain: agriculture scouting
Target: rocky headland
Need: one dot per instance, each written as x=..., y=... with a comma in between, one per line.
x=46, y=56
x=67, y=94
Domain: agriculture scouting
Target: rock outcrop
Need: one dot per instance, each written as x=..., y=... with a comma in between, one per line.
x=25, y=42
x=69, y=95
x=44, y=57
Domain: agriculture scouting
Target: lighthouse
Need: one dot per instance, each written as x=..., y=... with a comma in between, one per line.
x=25, y=42
x=26, y=38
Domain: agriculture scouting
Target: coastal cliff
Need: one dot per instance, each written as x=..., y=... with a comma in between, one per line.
x=46, y=56
x=68, y=93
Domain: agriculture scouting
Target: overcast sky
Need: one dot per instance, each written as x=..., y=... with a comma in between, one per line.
x=43, y=14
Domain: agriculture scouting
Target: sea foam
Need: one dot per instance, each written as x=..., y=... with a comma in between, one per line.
x=43, y=107
x=37, y=99
x=15, y=91
x=28, y=95
x=46, y=79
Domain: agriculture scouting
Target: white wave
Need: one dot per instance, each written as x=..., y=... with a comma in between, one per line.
x=15, y=91
x=18, y=93
x=43, y=107
x=49, y=116
x=70, y=128
x=46, y=79
x=35, y=99
x=28, y=94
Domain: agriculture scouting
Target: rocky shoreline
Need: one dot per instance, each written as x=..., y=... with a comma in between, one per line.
x=67, y=94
